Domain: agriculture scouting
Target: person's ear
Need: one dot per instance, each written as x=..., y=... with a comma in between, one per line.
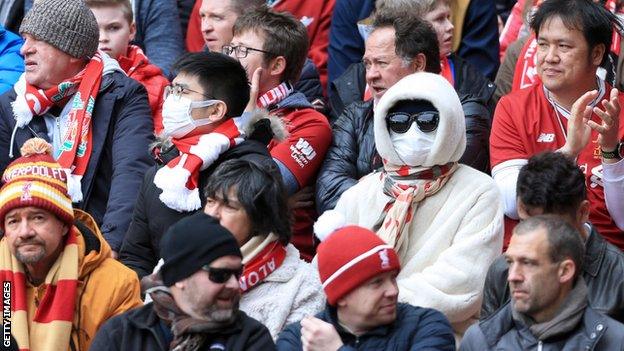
x=132, y=31
x=523, y=212
x=597, y=54
x=277, y=66
x=567, y=270
x=582, y=213
x=419, y=63
x=217, y=112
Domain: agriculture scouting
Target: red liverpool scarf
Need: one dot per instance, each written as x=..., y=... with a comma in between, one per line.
x=274, y=96
x=266, y=256
x=179, y=178
x=50, y=328
x=406, y=186
x=447, y=70
x=75, y=149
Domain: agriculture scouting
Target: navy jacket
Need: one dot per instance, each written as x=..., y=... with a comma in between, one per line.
x=141, y=329
x=415, y=328
x=122, y=130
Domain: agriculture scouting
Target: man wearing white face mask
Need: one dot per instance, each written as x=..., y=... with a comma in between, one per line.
x=201, y=130
x=444, y=219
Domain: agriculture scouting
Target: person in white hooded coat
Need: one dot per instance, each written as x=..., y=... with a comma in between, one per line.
x=444, y=219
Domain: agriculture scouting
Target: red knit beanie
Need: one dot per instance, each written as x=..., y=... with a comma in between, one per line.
x=36, y=179
x=349, y=257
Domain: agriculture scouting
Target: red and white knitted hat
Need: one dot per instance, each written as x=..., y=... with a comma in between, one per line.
x=36, y=179
x=349, y=257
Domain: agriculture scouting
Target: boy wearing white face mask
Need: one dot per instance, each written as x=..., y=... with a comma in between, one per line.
x=202, y=128
x=444, y=219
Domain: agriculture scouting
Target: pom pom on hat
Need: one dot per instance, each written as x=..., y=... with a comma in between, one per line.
x=327, y=223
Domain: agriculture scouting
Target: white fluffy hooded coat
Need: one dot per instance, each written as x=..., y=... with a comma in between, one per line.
x=456, y=233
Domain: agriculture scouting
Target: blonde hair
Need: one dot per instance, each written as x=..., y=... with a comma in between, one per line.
x=125, y=5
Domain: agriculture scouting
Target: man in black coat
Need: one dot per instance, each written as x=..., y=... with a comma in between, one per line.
x=195, y=297
x=396, y=47
x=550, y=183
x=219, y=83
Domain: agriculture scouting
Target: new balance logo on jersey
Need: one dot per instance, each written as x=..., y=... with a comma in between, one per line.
x=302, y=152
x=546, y=138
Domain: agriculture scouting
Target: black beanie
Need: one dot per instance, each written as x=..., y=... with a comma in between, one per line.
x=192, y=243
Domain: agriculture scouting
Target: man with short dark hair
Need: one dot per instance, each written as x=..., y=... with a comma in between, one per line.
x=272, y=47
x=96, y=118
x=551, y=183
x=549, y=308
x=195, y=297
x=358, y=271
x=571, y=110
x=202, y=129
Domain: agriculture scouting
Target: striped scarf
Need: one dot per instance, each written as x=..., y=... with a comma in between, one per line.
x=76, y=145
x=272, y=97
x=179, y=179
x=406, y=186
x=50, y=328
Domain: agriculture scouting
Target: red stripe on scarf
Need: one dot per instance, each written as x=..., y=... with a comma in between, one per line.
x=18, y=301
x=58, y=302
x=265, y=263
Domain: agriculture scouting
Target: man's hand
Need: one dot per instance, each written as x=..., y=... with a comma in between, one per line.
x=578, y=130
x=254, y=90
x=302, y=198
x=317, y=335
x=609, y=128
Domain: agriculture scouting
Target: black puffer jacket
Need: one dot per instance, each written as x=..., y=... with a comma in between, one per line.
x=352, y=154
x=151, y=218
x=603, y=269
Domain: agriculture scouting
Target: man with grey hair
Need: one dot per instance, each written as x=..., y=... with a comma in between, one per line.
x=98, y=120
x=549, y=307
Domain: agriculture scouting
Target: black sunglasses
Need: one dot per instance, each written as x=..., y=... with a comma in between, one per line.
x=222, y=275
x=400, y=122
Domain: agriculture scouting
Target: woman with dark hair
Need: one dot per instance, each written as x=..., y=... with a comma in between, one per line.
x=278, y=288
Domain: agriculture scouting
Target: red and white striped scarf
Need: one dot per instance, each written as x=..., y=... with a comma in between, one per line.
x=50, y=328
x=274, y=96
x=179, y=179
x=406, y=186
x=76, y=144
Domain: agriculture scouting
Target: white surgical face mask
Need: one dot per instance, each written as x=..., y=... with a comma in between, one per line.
x=413, y=146
x=176, y=113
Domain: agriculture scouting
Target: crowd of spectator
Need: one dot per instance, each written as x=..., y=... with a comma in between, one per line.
x=312, y=175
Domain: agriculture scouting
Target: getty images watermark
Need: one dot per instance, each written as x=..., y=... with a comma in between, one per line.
x=6, y=314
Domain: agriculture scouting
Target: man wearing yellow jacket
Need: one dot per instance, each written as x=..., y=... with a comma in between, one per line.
x=54, y=263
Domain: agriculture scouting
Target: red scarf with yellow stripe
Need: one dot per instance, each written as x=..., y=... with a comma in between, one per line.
x=49, y=327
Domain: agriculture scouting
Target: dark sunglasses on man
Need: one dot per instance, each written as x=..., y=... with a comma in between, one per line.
x=222, y=275
x=400, y=122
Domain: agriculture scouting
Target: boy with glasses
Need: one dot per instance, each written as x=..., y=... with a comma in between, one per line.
x=195, y=297
x=444, y=219
x=272, y=47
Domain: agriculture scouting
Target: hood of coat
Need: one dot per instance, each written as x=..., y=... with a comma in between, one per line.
x=93, y=247
x=449, y=139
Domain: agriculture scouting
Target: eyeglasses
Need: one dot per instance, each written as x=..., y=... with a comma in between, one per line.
x=400, y=122
x=222, y=275
x=177, y=91
x=240, y=51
